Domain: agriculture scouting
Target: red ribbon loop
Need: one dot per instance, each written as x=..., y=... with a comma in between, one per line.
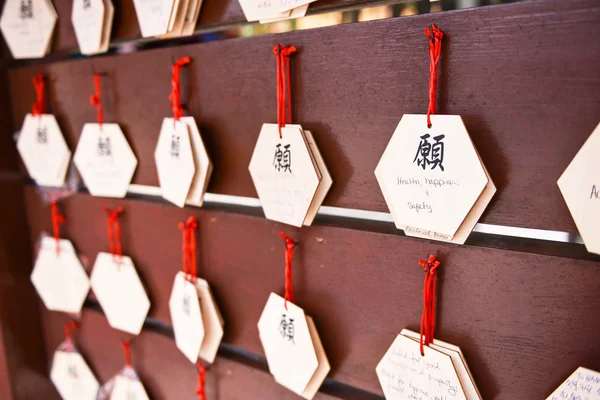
x=435, y=50
x=126, y=344
x=189, y=247
x=96, y=99
x=289, y=251
x=201, y=381
x=57, y=220
x=39, y=84
x=282, y=54
x=114, y=231
x=69, y=326
x=175, y=95
x=429, y=290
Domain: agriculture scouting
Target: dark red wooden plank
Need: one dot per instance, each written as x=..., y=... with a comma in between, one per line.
x=514, y=314
x=523, y=76
x=22, y=361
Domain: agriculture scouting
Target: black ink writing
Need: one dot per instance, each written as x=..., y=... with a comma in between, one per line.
x=417, y=207
x=186, y=305
x=104, y=147
x=429, y=154
x=595, y=194
x=87, y=4
x=408, y=181
x=72, y=371
x=175, y=146
x=42, y=135
x=283, y=158
x=286, y=328
x=26, y=9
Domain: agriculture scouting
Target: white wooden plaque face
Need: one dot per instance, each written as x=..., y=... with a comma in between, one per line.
x=174, y=161
x=105, y=160
x=60, y=280
x=283, y=173
x=287, y=343
x=128, y=389
x=403, y=372
x=202, y=164
x=324, y=184
x=28, y=27
x=256, y=10
x=120, y=292
x=186, y=317
x=213, y=322
x=583, y=384
x=72, y=377
x=154, y=16
x=432, y=177
x=88, y=22
x=43, y=149
x=580, y=187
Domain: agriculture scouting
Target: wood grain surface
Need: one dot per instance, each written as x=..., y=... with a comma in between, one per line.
x=513, y=314
x=527, y=88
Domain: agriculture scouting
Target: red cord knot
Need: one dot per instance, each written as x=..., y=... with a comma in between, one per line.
x=429, y=293
x=58, y=219
x=39, y=84
x=114, y=232
x=200, y=392
x=96, y=99
x=126, y=344
x=289, y=284
x=435, y=50
x=175, y=95
x=282, y=55
x=188, y=229
x=69, y=326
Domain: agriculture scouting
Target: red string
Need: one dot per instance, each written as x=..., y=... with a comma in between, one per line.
x=429, y=290
x=126, y=344
x=39, y=83
x=435, y=50
x=289, y=250
x=175, y=95
x=68, y=336
x=189, y=247
x=114, y=231
x=96, y=99
x=201, y=381
x=282, y=54
x=57, y=220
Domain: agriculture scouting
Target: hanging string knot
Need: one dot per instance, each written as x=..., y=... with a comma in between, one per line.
x=58, y=219
x=114, y=232
x=189, y=247
x=435, y=50
x=96, y=99
x=126, y=344
x=282, y=55
x=175, y=95
x=289, y=251
x=201, y=381
x=69, y=326
x=429, y=291
x=39, y=107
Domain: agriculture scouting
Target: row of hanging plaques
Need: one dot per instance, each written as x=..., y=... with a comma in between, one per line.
x=416, y=364
x=28, y=25
x=431, y=175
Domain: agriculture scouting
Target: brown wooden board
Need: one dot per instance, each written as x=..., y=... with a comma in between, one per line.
x=22, y=361
x=527, y=87
x=514, y=314
x=164, y=371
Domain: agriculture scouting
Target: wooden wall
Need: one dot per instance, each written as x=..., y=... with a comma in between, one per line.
x=524, y=77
